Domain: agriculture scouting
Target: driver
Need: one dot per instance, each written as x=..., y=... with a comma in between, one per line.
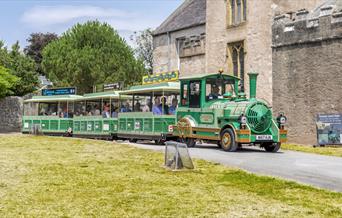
x=215, y=92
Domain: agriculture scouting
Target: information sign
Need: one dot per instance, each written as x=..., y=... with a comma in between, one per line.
x=329, y=129
x=59, y=91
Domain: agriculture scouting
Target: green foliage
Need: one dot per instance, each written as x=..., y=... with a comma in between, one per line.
x=7, y=81
x=89, y=54
x=144, y=47
x=20, y=66
x=37, y=42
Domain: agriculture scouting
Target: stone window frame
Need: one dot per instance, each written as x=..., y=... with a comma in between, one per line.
x=237, y=67
x=236, y=17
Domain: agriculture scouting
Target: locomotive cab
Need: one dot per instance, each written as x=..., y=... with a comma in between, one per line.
x=212, y=108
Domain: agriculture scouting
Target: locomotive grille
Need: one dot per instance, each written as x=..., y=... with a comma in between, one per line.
x=259, y=117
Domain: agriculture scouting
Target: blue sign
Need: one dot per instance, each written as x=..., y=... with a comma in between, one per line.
x=59, y=91
x=329, y=129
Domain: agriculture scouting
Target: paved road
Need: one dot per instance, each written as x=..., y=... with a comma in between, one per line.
x=317, y=170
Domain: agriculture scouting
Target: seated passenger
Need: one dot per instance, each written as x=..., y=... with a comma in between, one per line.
x=97, y=111
x=173, y=107
x=157, y=107
x=165, y=106
x=125, y=108
x=115, y=112
x=214, y=93
x=105, y=113
x=137, y=107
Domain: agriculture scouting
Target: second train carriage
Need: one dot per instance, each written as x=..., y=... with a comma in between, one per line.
x=152, y=114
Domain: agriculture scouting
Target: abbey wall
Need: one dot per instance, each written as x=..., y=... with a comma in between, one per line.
x=307, y=68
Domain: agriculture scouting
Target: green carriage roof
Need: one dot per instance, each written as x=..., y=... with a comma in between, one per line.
x=201, y=76
x=167, y=87
x=54, y=98
x=100, y=95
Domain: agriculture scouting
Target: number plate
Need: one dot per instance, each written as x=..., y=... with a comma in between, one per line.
x=264, y=137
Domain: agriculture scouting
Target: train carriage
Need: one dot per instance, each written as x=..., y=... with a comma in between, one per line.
x=212, y=108
x=142, y=121
x=52, y=114
x=96, y=115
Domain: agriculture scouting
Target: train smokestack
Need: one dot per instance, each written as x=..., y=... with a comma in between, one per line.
x=252, y=84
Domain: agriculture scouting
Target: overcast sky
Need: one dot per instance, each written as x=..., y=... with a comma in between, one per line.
x=19, y=18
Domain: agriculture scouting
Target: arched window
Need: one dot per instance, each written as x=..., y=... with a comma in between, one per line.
x=236, y=60
x=236, y=12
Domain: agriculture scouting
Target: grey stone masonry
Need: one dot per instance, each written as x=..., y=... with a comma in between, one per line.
x=307, y=68
x=303, y=27
x=11, y=109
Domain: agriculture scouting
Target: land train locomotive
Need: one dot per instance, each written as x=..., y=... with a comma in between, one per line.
x=210, y=108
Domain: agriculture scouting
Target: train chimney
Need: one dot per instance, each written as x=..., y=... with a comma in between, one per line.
x=252, y=84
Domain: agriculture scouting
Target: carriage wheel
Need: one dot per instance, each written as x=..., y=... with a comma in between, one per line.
x=228, y=140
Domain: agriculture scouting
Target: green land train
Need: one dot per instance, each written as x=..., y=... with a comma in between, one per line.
x=212, y=108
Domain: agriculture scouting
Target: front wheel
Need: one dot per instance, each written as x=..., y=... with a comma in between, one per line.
x=272, y=147
x=227, y=141
x=190, y=142
x=133, y=140
x=159, y=142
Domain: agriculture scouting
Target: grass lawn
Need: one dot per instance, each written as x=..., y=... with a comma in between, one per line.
x=66, y=177
x=331, y=151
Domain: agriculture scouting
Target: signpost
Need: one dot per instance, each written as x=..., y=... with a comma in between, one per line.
x=59, y=91
x=329, y=129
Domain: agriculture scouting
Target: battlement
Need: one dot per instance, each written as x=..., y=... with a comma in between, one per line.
x=322, y=24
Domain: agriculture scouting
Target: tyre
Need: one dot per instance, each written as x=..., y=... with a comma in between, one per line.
x=219, y=144
x=228, y=140
x=133, y=140
x=272, y=147
x=159, y=142
x=190, y=142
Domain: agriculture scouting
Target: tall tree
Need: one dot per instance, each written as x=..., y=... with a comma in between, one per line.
x=89, y=54
x=143, y=41
x=7, y=82
x=37, y=42
x=20, y=66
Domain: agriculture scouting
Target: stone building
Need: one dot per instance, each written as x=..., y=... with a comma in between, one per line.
x=307, y=77
x=202, y=36
x=179, y=42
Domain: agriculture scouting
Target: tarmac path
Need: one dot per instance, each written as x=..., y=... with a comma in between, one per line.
x=313, y=169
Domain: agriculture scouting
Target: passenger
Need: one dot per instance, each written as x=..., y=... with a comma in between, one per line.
x=146, y=108
x=115, y=112
x=214, y=93
x=173, y=107
x=137, y=107
x=105, y=113
x=157, y=108
x=97, y=111
x=165, y=106
x=125, y=108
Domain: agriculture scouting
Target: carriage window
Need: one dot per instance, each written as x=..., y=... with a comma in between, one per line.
x=184, y=97
x=47, y=109
x=194, y=95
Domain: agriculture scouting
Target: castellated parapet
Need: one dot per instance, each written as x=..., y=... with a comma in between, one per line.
x=303, y=27
x=306, y=68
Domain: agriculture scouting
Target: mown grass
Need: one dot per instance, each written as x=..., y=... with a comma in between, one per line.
x=331, y=151
x=64, y=177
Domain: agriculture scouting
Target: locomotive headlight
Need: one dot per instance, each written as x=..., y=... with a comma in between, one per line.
x=282, y=120
x=243, y=119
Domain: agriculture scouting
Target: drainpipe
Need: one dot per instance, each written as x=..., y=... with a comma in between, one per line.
x=169, y=50
x=252, y=84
